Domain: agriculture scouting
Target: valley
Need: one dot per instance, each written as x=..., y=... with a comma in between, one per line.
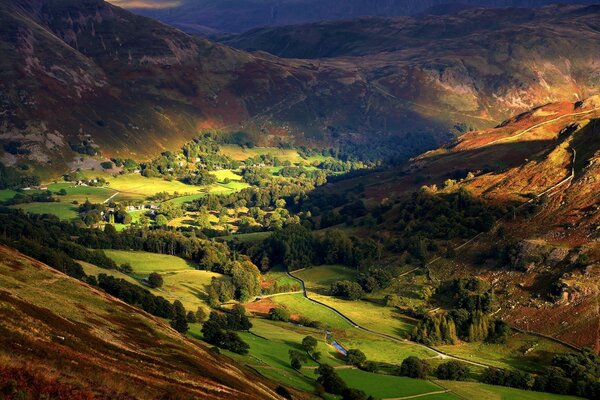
x=378, y=202
x=224, y=212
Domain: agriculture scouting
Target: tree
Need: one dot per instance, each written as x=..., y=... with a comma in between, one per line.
x=297, y=358
x=413, y=367
x=161, y=220
x=179, y=320
x=191, y=317
x=355, y=357
x=155, y=280
x=200, y=315
x=347, y=290
x=309, y=344
x=331, y=381
x=452, y=371
x=279, y=314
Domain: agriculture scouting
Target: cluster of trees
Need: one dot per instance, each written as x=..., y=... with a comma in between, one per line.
x=426, y=217
x=472, y=301
x=137, y=296
x=373, y=280
x=11, y=178
x=296, y=247
x=243, y=285
x=40, y=197
x=220, y=328
x=576, y=374
x=414, y=367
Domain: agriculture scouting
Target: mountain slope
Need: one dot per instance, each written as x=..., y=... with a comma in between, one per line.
x=86, y=344
x=543, y=256
x=210, y=16
x=88, y=71
x=474, y=67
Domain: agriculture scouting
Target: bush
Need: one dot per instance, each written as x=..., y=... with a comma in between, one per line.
x=279, y=314
x=355, y=357
x=414, y=367
x=347, y=290
x=106, y=165
x=155, y=280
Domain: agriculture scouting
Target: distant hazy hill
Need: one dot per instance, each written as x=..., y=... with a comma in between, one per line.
x=210, y=16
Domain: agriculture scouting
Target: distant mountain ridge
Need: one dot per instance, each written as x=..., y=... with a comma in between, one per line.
x=211, y=16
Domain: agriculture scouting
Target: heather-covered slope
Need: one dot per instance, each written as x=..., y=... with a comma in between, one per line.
x=64, y=339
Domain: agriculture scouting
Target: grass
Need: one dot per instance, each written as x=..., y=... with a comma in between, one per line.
x=473, y=390
x=186, y=199
x=279, y=275
x=143, y=263
x=297, y=304
x=137, y=187
x=81, y=193
x=63, y=211
x=243, y=153
x=7, y=194
x=526, y=352
x=187, y=286
x=380, y=349
x=370, y=315
x=251, y=237
x=226, y=174
x=388, y=386
x=320, y=278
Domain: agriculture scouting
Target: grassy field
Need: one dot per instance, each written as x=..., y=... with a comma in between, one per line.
x=243, y=153
x=526, y=352
x=247, y=237
x=143, y=263
x=380, y=349
x=187, y=286
x=321, y=277
x=226, y=174
x=63, y=211
x=387, y=386
x=137, y=187
x=279, y=275
x=473, y=390
x=81, y=193
x=297, y=304
x=7, y=194
x=370, y=315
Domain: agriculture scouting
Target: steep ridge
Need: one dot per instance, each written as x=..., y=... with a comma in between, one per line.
x=86, y=70
x=210, y=16
x=543, y=257
x=61, y=337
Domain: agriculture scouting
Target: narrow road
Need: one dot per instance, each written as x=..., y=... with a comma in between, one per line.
x=111, y=197
x=439, y=353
